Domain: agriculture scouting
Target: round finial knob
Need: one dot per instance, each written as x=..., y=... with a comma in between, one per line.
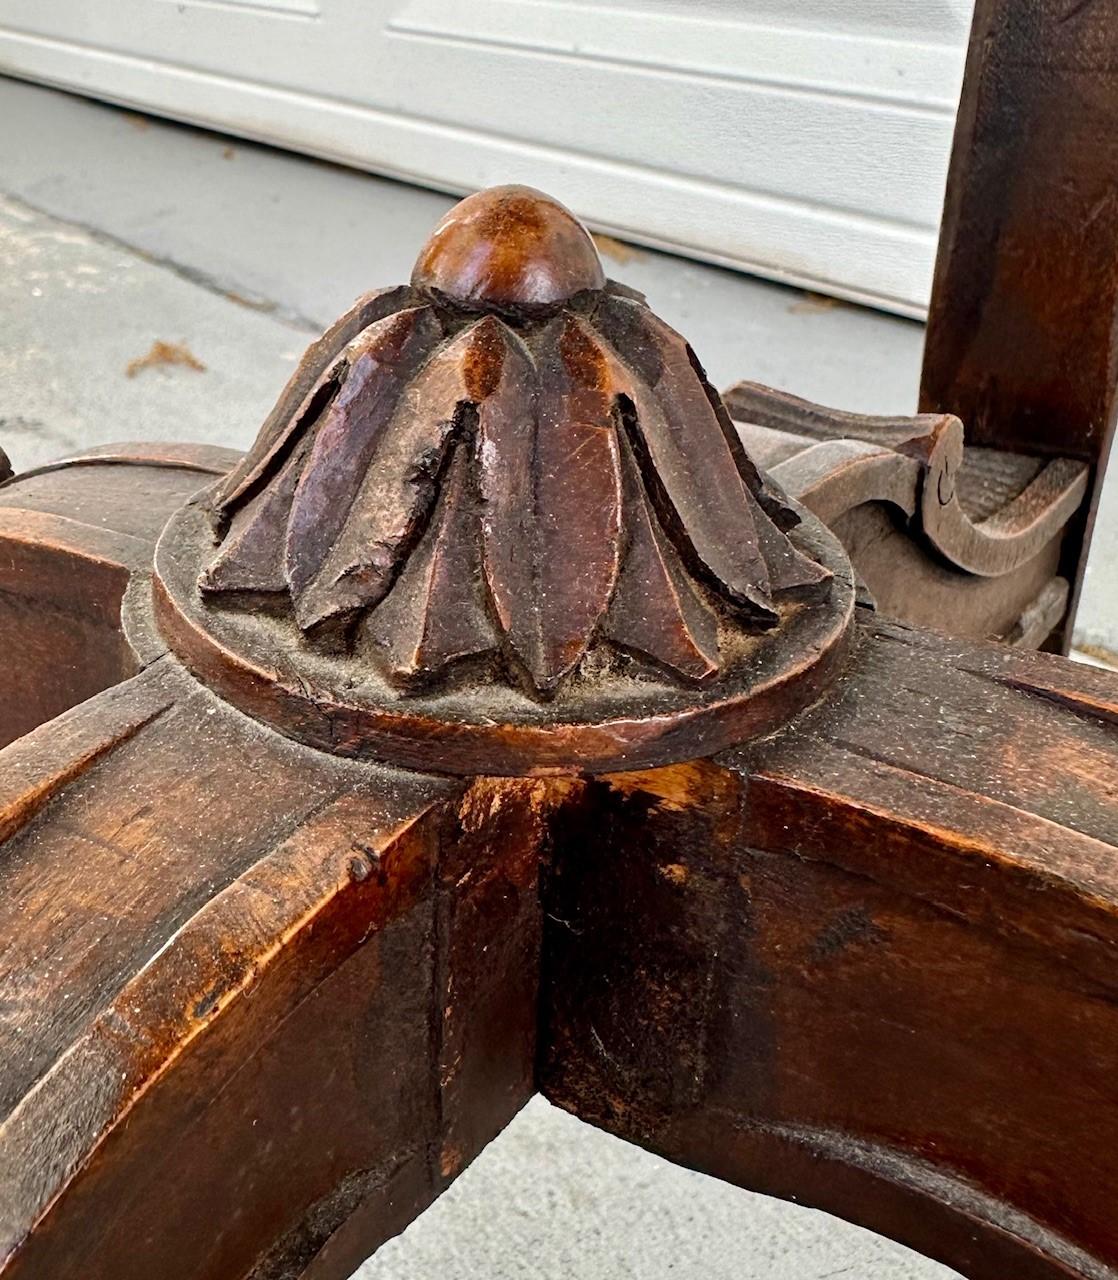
x=509, y=247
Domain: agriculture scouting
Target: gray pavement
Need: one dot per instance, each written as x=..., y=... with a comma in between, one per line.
x=553, y=1199
x=118, y=232
x=76, y=311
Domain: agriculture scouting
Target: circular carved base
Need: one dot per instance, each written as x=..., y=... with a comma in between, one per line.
x=606, y=720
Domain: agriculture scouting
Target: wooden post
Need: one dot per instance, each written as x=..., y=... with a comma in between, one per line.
x=1022, y=342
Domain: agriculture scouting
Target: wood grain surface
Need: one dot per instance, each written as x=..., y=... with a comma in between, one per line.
x=261, y=1005
x=72, y=536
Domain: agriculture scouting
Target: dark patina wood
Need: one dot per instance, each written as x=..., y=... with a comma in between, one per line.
x=72, y=535
x=808, y=899
x=515, y=252
x=1020, y=355
x=489, y=528
x=1021, y=341
x=253, y=1029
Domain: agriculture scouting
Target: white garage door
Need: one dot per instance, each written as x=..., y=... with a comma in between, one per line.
x=805, y=140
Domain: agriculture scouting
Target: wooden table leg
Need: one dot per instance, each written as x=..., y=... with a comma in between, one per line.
x=871, y=965
x=261, y=1005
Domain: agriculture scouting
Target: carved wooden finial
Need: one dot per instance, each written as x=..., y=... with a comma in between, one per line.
x=511, y=476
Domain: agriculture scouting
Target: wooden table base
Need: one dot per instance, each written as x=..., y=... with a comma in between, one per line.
x=715, y=859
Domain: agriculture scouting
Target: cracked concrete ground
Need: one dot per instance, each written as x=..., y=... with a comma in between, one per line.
x=117, y=233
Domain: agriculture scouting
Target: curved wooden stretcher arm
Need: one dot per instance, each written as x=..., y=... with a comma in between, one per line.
x=261, y=1006
x=871, y=964
x=998, y=542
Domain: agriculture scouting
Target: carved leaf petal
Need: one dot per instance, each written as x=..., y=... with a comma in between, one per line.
x=655, y=610
x=251, y=556
x=791, y=573
x=687, y=464
x=298, y=403
x=550, y=485
x=351, y=516
x=436, y=611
